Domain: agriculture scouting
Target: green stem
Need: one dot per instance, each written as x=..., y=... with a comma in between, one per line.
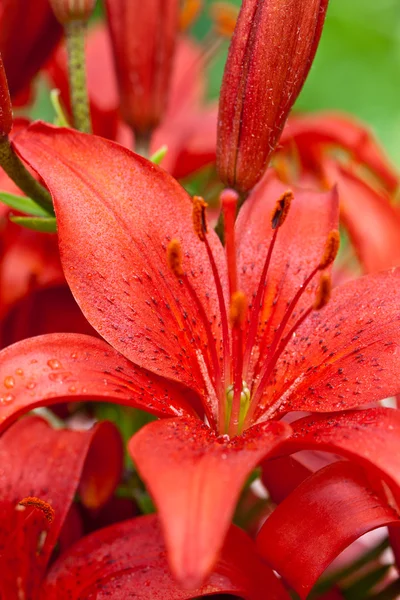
x=75, y=34
x=16, y=170
x=142, y=143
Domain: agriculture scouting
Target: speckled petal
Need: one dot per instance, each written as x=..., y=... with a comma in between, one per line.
x=48, y=369
x=195, y=478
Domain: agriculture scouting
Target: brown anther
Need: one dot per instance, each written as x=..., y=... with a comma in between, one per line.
x=331, y=249
x=224, y=16
x=281, y=209
x=174, y=257
x=41, y=505
x=199, y=217
x=189, y=12
x=238, y=308
x=324, y=292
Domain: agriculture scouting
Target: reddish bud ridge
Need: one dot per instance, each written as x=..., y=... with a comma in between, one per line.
x=6, y=118
x=281, y=209
x=72, y=10
x=41, y=505
x=331, y=249
x=199, y=217
x=174, y=257
x=224, y=17
x=323, y=292
x=189, y=13
x=143, y=35
x=238, y=309
x=271, y=52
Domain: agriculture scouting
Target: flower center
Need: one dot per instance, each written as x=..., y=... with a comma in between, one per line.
x=228, y=370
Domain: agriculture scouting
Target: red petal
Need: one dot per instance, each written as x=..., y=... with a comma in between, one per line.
x=195, y=477
x=129, y=558
x=327, y=129
x=48, y=369
x=372, y=221
x=40, y=462
x=300, y=244
x=325, y=514
x=124, y=285
x=347, y=354
x=369, y=436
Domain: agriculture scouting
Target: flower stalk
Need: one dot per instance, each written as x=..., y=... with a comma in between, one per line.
x=75, y=34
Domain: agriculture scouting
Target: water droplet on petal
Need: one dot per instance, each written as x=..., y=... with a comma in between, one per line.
x=6, y=399
x=30, y=385
x=9, y=382
x=59, y=377
x=19, y=372
x=72, y=389
x=54, y=363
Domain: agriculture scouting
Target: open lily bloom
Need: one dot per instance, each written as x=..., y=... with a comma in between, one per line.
x=35, y=499
x=189, y=126
x=185, y=346
x=325, y=149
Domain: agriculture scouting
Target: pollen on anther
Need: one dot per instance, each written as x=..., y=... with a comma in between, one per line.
x=281, y=209
x=42, y=505
x=331, y=249
x=174, y=257
x=238, y=308
x=199, y=217
x=323, y=292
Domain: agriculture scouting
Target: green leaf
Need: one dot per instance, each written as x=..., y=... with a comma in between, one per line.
x=23, y=204
x=44, y=224
x=159, y=155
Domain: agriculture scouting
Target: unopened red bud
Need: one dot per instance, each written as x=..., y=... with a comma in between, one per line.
x=6, y=118
x=143, y=34
x=271, y=52
x=72, y=10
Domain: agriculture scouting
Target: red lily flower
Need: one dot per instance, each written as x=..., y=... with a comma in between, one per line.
x=188, y=128
x=35, y=499
x=155, y=285
x=315, y=145
x=25, y=53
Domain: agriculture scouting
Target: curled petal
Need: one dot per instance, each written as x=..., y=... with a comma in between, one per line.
x=195, y=477
x=316, y=131
x=325, y=514
x=46, y=466
x=131, y=556
x=372, y=221
x=369, y=436
x=70, y=367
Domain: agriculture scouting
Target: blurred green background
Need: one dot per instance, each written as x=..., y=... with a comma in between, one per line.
x=357, y=68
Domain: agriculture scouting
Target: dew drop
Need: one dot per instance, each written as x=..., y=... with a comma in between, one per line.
x=54, y=363
x=19, y=372
x=74, y=355
x=6, y=399
x=59, y=377
x=9, y=382
x=72, y=389
x=31, y=385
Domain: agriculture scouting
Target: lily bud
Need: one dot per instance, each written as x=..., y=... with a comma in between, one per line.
x=271, y=52
x=72, y=10
x=6, y=118
x=143, y=34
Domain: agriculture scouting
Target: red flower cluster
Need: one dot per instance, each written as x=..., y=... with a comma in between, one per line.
x=225, y=343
